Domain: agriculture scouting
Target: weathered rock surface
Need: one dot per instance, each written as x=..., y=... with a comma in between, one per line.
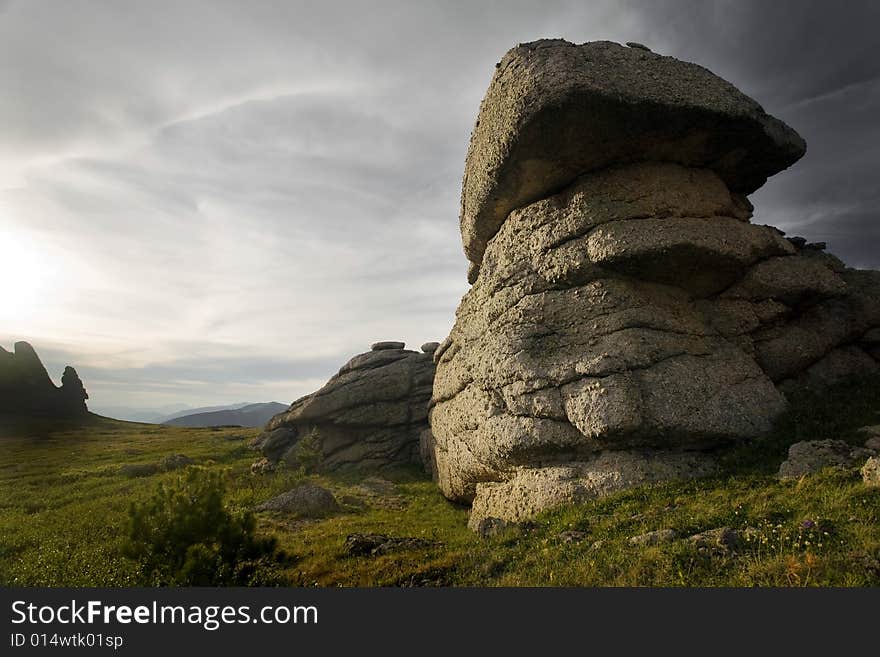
x=369, y=415
x=307, y=501
x=625, y=315
x=811, y=456
x=26, y=389
x=530, y=490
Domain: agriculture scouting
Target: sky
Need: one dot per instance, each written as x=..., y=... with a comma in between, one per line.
x=205, y=203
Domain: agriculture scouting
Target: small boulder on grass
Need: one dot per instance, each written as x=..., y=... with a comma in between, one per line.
x=374, y=545
x=571, y=536
x=720, y=539
x=491, y=526
x=654, y=538
x=307, y=501
x=871, y=471
x=262, y=466
x=811, y=456
x=175, y=462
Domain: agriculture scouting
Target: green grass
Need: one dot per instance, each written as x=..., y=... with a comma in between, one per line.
x=64, y=508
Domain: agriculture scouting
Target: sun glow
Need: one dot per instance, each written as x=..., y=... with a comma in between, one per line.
x=25, y=272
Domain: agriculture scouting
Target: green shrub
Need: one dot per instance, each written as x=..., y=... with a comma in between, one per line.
x=307, y=453
x=186, y=536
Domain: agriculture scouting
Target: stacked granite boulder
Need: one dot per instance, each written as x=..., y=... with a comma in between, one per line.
x=626, y=318
x=369, y=415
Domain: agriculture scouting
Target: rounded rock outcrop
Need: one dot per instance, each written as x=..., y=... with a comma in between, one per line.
x=369, y=415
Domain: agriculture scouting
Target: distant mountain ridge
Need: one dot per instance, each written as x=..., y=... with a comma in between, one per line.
x=204, y=409
x=160, y=414
x=251, y=415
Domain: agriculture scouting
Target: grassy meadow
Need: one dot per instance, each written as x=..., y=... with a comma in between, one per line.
x=65, y=499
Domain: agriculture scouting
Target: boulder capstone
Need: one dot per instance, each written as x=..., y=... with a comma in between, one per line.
x=369, y=415
x=626, y=318
x=555, y=110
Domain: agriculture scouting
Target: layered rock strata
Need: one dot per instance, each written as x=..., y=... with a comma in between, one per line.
x=626, y=318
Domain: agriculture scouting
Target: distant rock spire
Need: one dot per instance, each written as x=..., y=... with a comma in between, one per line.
x=73, y=392
x=26, y=388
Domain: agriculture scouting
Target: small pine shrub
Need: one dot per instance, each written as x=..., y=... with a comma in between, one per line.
x=186, y=536
x=306, y=455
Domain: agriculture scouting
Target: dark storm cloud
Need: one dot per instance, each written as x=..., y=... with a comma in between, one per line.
x=781, y=52
x=221, y=201
x=815, y=65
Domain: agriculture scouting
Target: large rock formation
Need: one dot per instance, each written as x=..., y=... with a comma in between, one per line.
x=26, y=389
x=625, y=316
x=369, y=415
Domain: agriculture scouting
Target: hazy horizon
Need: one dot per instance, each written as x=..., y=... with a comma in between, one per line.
x=213, y=203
